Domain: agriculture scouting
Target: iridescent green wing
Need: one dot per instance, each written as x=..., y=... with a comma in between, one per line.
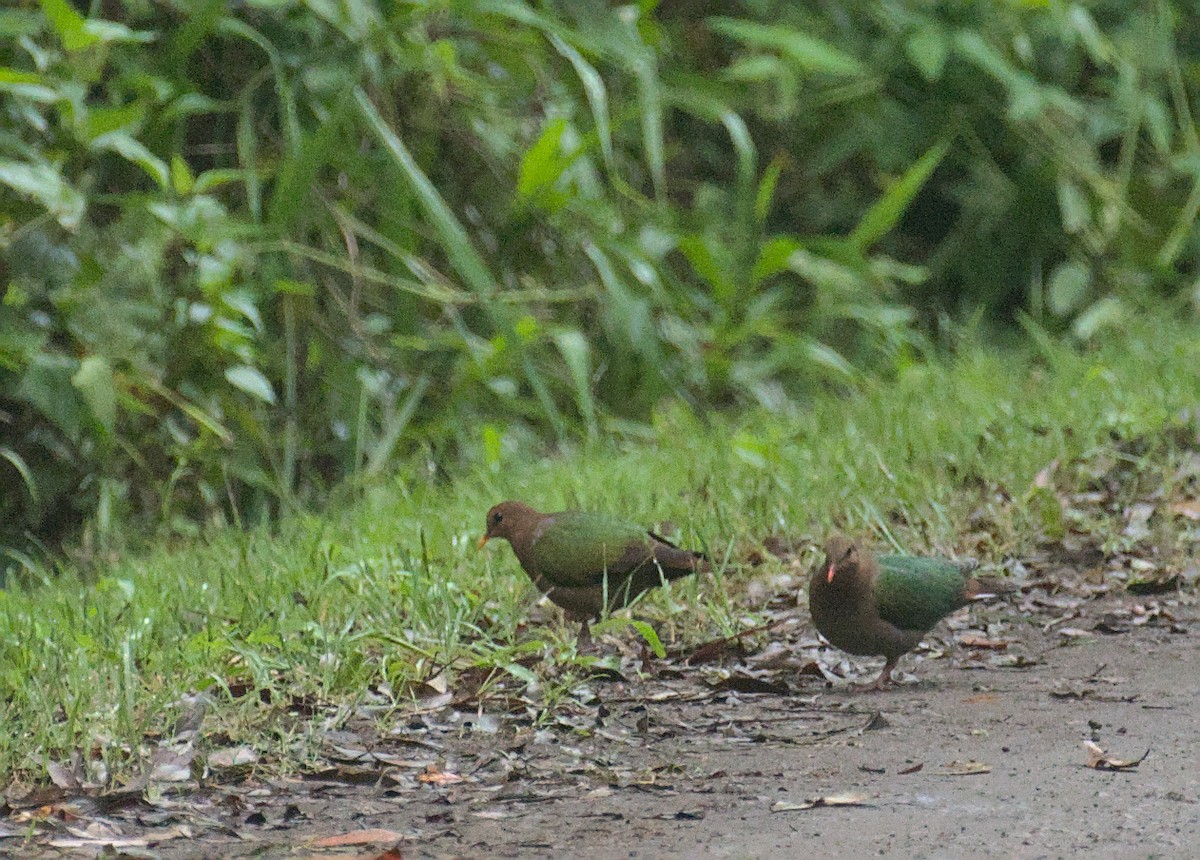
x=915, y=593
x=576, y=548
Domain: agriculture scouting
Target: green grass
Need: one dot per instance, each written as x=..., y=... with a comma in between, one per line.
x=375, y=599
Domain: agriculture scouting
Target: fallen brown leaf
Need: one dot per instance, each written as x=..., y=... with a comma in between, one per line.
x=964, y=767
x=433, y=776
x=232, y=757
x=358, y=837
x=916, y=768
x=844, y=799
x=390, y=854
x=1098, y=759
x=980, y=699
x=130, y=842
x=1073, y=633
x=747, y=684
x=68, y=775
x=361, y=756
x=970, y=641
x=1189, y=508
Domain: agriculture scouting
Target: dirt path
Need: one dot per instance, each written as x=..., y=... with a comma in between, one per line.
x=982, y=756
x=713, y=791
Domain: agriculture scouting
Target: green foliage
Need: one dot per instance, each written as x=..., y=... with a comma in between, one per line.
x=253, y=249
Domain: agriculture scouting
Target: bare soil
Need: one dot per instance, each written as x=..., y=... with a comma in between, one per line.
x=980, y=753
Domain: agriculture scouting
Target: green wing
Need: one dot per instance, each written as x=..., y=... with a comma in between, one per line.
x=915, y=593
x=576, y=548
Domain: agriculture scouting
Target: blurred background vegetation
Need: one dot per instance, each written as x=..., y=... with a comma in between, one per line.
x=249, y=250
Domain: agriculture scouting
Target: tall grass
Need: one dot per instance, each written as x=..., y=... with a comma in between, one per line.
x=371, y=600
x=253, y=250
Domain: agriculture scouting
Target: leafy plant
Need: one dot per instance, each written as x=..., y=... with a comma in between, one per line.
x=253, y=250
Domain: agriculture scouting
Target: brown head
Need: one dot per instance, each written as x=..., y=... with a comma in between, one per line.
x=842, y=557
x=511, y=521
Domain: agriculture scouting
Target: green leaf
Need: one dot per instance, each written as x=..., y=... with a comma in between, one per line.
x=252, y=381
x=927, y=49
x=807, y=52
x=521, y=673
x=68, y=24
x=758, y=68
x=94, y=380
x=829, y=358
x=597, y=95
x=27, y=85
x=650, y=106
x=45, y=185
x=47, y=385
x=242, y=302
x=135, y=151
x=1073, y=204
x=1098, y=46
x=751, y=449
x=543, y=164
x=182, y=180
x=885, y=214
x=765, y=194
x=210, y=179
x=102, y=120
x=493, y=446
x=577, y=353
x=22, y=468
x=111, y=31
x=1107, y=313
x=710, y=261
x=651, y=637
x=774, y=256
x=1069, y=285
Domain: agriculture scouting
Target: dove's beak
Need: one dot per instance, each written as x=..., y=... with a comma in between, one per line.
x=483, y=540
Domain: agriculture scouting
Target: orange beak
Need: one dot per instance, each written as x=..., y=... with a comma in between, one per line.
x=829, y=575
x=483, y=540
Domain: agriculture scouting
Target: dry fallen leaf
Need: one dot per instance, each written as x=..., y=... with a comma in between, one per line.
x=1098, y=759
x=232, y=757
x=361, y=756
x=171, y=766
x=1073, y=632
x=358, y=837
x=1189, y=508
x=131, y=842
x=970, y=641
x=964, y=767
x=844, y=799
x=434, y=776
x=66, y=775
x=390, y=854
